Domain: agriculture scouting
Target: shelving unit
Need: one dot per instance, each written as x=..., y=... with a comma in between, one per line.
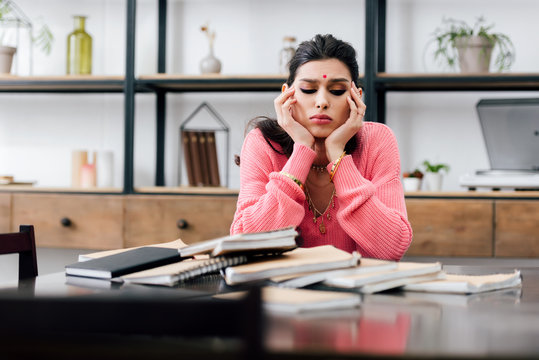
x=137, y=209
x=378, y=83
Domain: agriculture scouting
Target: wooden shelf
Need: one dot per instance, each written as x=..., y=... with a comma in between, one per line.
x=186, y=190
x=67, y=83
x=182, y=82
x=70, y=190
x=473, y=195
x=460, y=82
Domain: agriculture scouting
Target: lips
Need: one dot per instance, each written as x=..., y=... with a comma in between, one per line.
x=321, y=119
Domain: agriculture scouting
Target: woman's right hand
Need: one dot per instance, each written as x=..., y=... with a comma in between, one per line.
x=283, y=108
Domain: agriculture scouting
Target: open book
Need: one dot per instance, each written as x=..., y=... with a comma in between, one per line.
x=293, y=301
x=301, y=260
x=468, y=284
x=172, y=274
x=405, y=273
x=365, y=266
x=262, y=242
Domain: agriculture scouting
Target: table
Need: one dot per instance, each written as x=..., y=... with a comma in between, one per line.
x=503, y=323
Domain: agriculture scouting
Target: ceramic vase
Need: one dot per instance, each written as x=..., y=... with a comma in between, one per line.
x=6, y=58
x=210, y=64
x=433, y=181
x=474, y=54
x=411, y=184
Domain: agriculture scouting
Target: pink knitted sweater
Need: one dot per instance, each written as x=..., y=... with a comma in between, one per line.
x=369, y=214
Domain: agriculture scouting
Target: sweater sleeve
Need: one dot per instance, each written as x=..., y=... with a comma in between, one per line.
x=373, y=212
x=269, y=200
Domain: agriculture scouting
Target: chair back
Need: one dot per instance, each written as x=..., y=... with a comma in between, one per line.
x=23, y=243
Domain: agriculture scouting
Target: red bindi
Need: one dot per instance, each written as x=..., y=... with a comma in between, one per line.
x=324, y=76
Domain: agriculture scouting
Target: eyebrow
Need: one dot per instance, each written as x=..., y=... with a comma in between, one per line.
x=330, y=80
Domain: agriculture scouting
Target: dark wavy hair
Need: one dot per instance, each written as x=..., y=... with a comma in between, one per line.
x=321, y=47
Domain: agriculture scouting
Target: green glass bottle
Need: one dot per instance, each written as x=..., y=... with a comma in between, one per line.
x=79, y=49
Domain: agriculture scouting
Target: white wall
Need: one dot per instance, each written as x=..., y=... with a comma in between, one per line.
x=39, y=131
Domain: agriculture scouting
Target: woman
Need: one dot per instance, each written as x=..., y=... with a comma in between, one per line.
x=319, y=167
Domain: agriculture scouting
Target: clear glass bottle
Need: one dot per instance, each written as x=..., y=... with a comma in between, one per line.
x=287, y=53
x=79, y=49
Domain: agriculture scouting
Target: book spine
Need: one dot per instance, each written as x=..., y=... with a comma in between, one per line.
x=203, y=158
x=212, y=159
x=188, y=156
x=195, y=152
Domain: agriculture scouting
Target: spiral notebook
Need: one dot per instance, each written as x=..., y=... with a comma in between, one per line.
x=172, y=274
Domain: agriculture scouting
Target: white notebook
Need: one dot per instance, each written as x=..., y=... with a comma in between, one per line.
x=403, y=270
x=468, y=284
x=365, y=266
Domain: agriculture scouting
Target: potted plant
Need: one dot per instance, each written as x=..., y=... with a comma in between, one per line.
x=10, y=13
x=411, y=181
x=434, y=175
x=472, y=46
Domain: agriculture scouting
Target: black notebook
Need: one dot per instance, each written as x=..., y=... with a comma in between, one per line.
x=126, y=262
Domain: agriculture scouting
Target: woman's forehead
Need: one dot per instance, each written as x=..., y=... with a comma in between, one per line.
x=324, y=69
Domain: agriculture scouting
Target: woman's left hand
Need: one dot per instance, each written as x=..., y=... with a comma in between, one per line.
x=337, y=140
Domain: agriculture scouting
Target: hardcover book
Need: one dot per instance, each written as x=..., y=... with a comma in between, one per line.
x=301, y=260
x=188, y=156
x=213, y=163
x=262, y=242
x=204, y=164
x=126, y=262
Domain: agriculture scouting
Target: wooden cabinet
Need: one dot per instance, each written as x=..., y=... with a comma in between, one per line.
x=445, y=227
x=155, y=219
x=5, y=213
x=517, y=228
x=71, y=221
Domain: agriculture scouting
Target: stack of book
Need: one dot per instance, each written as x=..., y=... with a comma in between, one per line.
x=334, y=277
x=201, y=160
x=173, y=262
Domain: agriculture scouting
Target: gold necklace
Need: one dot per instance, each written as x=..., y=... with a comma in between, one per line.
x=317, y=214
x=319, y=168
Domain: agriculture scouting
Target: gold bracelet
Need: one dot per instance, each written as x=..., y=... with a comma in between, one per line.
x=335, y=166
x=300, y=184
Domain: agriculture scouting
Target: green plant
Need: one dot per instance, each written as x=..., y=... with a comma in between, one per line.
x=434, y=168
x=446, y=36
x=44, y=37
x=414, y=174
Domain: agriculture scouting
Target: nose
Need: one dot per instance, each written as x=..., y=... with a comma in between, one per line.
x=322, y=100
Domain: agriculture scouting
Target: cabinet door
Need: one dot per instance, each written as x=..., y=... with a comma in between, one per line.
x=517, y=228
x=71, y=221
x=5, y=213
x=155, y=219
x=444, y=227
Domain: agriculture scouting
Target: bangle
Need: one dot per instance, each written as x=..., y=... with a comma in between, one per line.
x=300, y=184
x=335, y=166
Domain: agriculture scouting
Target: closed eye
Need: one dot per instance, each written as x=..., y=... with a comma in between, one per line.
x=337, y=92
x=308, y=91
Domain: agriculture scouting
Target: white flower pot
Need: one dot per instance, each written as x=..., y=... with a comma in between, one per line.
x=411, y=184
x=474, y=54
x=433, y=181
x=6, y=58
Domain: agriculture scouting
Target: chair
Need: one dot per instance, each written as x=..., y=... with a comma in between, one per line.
x=23, y=243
